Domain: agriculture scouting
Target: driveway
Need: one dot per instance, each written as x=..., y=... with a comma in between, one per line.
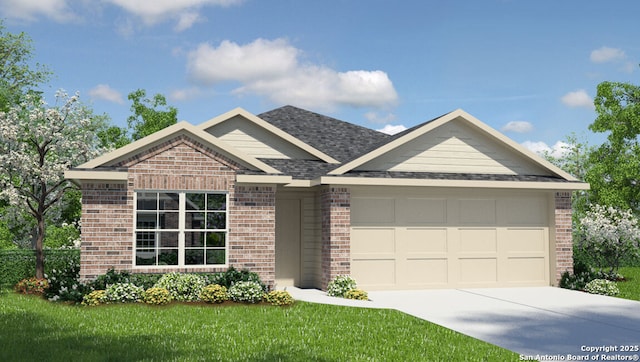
x=536, y=322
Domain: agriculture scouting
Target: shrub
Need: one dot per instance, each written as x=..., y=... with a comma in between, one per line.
x=182, y=287
x=602, y=287
x=248, y=292
x=94, y=298
x=145, y=281
x=576, y=281
x=16, y=265
x=124, y=293
x=340, y=285
x=279, y=298
x=32, y=286
x=62, y=236
x=357, y=294
x=233, y=276
x=214, y=293
x=64, y=284
x=101, y=282
x=157, y=296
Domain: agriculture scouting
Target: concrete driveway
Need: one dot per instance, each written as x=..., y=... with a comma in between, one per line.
x=540, y=323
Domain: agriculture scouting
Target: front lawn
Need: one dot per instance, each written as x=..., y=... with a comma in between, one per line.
x=34, y=329
x=630, y=288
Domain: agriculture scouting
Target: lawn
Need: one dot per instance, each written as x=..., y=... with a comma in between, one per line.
x=630, y=288
x=34, y=329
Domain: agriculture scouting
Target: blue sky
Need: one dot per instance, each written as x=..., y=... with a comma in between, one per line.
x=527, y=68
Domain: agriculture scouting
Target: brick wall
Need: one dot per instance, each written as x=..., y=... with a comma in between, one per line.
x=335, y=204
x=179, y=164
x=564, y=239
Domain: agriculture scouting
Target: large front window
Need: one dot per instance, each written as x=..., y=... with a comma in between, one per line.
x=180, y=228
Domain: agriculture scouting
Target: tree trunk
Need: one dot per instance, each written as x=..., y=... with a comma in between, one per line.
x=39, y=247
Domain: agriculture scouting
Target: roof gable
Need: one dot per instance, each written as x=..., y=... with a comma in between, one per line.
x=261, y=139
x=179, y=129
x=453, y=143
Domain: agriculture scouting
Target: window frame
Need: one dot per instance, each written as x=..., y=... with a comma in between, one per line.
x=181, y=229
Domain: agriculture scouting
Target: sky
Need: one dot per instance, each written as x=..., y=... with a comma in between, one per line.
x=526, y=68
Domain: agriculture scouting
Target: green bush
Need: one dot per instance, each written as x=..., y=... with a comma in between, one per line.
x=64, y=236
x=279, y=298
x=247, y=292
x=157, y=296
x=602, y=287
x=340, y=285
x=144, y=280
x=64, y=282
x=19, y=264
x=214, y=293
x=124, y=293
x=95, y=298
x=576, y=281
x=357, y=294
x=32, y=285
x=101, y=282
x=233, y=276
x=182, y=287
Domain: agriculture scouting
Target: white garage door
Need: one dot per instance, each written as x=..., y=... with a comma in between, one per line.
x=449, y=239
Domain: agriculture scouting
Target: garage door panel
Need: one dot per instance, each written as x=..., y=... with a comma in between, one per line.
x=525, y=211
x=424, y=211
x=525, y=240
x=478, y=241
x=427, y=272
x=374, y=272
x=477, y=212
x=373, y=240
x=424, y=240
x=525, y=270
x=483, y=270
x=372, y=211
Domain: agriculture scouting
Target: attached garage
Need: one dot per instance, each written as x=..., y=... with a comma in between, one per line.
x=446, y=238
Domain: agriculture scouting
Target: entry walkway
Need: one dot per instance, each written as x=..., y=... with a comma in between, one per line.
x=534, y=322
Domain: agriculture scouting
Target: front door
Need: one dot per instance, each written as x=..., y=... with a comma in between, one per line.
x=287, y=242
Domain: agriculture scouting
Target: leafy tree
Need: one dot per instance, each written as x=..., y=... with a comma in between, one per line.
x=113, y=137
x=147, y=118
x=18, y=76
x=614, y=174
x=37, y=144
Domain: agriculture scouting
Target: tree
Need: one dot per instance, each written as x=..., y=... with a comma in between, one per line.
x=614, y=174
x=147, y=118
x=37, y=144
x=17, y=74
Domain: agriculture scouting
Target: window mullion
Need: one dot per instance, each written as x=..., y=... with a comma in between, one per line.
x=181, y=227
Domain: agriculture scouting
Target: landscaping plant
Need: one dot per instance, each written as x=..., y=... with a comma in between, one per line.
x=182, y=287
x=247, y=292
x=278, y=298
x=94, y=298
x=357, y=294
x=214, y=293
x=157, y=296
x=124, y=293
x=32, y=285
x=602, y=287
x=340, y=285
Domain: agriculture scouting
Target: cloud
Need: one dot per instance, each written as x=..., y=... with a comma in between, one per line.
x=31, y=10
x=106, y=93
x=155, y=11
x=272, y=68
x=579, y=98
x=558, y=150
x=391, y=129
x=606, y=54
x=518, y=127
x=184, y=94
x=375, y=117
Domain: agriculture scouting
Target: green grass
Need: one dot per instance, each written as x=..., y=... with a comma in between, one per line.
x=630, y=288
x=34, y=329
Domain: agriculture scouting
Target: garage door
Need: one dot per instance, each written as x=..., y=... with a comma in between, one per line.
x=413, y=240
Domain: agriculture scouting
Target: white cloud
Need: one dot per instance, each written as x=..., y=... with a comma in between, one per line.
x=272, y=68
x=375, y=117
x=31, y=10
x=518, y=127
x=154, y=11
x=105, y=92
x=606, y=54
x=579, y=98
x=558, y=150
x=184, y=94
x=391, y=129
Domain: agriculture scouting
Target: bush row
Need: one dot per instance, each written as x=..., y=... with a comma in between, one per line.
x=19, y=264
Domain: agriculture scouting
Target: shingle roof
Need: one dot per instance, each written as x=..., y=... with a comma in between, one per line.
x=340, y=140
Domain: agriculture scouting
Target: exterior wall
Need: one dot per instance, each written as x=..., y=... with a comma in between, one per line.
x=563, y=234
x=336, y=230
x=178, y=164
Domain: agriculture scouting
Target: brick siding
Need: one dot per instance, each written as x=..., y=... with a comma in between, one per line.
x=564, y=234
x=178, y=164
x=335, y=204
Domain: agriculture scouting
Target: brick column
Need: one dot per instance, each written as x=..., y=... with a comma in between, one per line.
x=563, y=232
x=336, y=231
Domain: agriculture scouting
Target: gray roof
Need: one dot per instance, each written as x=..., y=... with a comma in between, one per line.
x=346, y=141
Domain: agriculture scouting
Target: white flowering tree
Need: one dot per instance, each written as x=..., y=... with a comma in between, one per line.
x=37, y=144
x=610, y=235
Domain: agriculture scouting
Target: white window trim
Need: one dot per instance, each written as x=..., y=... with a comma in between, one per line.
x=181, y=230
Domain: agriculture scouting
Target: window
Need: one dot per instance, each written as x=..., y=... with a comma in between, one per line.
x=180, y=228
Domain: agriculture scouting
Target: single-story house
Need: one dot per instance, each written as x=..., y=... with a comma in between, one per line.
x=300, y=198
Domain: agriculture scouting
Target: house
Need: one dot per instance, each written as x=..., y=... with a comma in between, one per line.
x=300, y=198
